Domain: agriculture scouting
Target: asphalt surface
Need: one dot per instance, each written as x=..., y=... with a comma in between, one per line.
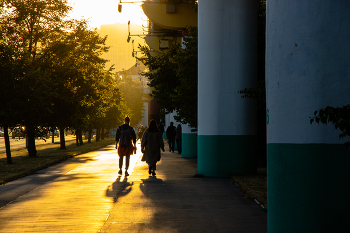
x=86, y=194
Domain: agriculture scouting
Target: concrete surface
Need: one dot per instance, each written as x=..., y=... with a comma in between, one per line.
x=85, y=194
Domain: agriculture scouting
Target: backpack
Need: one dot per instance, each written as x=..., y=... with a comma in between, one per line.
x=125, y=136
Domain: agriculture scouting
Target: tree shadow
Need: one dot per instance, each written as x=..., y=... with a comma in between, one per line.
x=108, y=148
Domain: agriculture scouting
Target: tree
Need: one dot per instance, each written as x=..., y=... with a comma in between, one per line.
x=117, y=109
x=77, y=73
x=51, y=65
x=9, y=70
x=173, y=78
x=109, y=108
x=134, y=96
x=63, y=67
x=27, y=25
x=186, y=98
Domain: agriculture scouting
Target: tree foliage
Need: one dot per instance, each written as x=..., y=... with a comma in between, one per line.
x=9, y=69
x=173, y=78
x=27, y=26
x=51, y=71
x=134, y=96
x=338, y=116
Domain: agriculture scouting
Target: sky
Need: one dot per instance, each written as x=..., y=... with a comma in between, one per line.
x=103, y=12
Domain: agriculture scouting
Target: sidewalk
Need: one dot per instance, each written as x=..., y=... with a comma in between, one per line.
x=85, y=194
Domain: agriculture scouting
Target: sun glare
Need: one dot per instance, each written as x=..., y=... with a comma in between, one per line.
x=106, y=12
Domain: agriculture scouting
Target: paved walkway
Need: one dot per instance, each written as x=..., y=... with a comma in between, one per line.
x=85, y=194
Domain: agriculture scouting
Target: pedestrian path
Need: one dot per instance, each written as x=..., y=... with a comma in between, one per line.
x=85, y=194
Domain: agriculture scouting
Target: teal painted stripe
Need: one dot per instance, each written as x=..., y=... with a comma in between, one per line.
x=308, y=188
x=189, y=145
x=220, y=155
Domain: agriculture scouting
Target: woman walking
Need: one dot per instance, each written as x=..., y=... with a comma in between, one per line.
x=151, y=143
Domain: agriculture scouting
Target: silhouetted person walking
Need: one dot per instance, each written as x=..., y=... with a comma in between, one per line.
x=170, y=134
x=152, y=142
x=126, y=138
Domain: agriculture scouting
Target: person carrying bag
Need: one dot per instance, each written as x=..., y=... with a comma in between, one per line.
x=125, y=144
x=151, y=144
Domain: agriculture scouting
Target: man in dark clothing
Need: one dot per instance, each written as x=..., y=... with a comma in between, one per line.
x=170, y=134
x=126, y=138
x=178, y=138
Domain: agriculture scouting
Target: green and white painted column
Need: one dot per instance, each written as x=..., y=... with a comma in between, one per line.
x=189, y=142
x=307, y=68
x=226, y=64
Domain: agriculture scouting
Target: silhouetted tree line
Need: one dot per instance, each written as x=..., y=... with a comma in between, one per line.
x=51, y=73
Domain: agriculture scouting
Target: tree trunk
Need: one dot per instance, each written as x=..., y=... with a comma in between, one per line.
x=7, y=145
x=80, y=138
x=77, y=137
x=31, y=141
x=103, y=134
x=53, y=135
x=98, y=134
x=62, y=139
x=90, y=135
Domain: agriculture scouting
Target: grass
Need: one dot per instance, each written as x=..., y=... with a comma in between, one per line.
x=253, y=186
x=48, y=154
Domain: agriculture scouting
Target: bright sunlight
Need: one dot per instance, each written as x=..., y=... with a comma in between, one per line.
x=106, y=12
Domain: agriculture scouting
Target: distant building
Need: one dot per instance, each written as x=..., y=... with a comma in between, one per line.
x=120, y=52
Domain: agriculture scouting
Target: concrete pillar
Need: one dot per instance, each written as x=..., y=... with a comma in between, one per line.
x=189, y=142
x=307, y=68
x=226, y=64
